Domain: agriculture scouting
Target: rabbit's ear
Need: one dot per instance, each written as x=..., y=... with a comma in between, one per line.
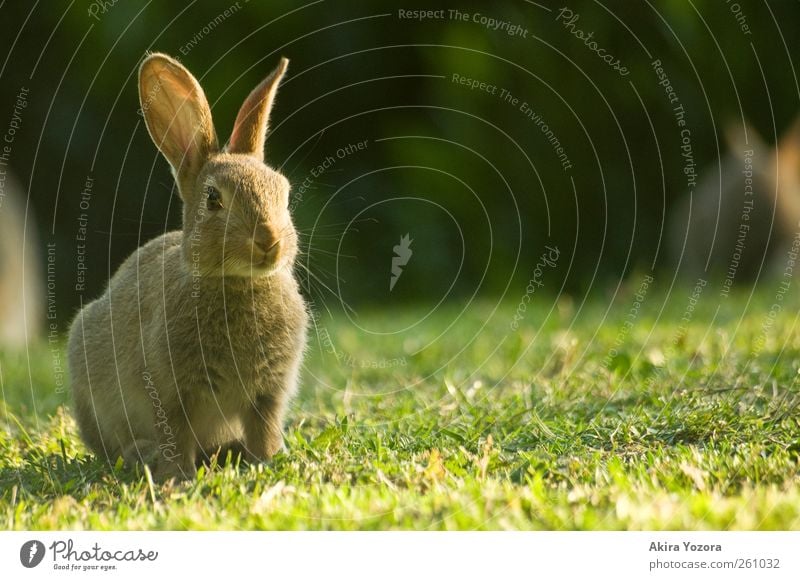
x=176, y=113
x=786, y=166
x=741, y=136
x=250, y=129
x=789, y=147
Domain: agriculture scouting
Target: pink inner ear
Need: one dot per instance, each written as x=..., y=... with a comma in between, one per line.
x=249, y=131
x=250, y=128
x=177, y=113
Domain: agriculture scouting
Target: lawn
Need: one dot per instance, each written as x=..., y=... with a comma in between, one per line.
x=609, y=414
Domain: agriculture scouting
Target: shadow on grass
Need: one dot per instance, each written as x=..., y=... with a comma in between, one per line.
x=48, y=476
x=52, y=475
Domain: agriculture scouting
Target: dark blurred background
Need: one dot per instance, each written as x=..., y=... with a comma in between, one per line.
x=467, y=173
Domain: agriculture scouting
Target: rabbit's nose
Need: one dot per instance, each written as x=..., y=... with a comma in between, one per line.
x=264, y=239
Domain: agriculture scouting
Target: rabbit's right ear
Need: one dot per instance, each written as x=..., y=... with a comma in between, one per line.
x=250, y=128
x=741, y=137
x=177, y=114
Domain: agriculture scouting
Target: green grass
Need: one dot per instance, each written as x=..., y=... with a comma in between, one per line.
x=484, y=428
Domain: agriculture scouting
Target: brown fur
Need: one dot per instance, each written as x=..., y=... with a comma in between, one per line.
x=706, y=227
x=198, y=340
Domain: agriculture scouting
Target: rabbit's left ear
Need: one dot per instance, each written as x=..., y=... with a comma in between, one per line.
x=250, y=128
x=176, y=113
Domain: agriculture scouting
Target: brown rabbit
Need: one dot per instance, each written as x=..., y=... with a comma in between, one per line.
x=197, y=343
x=726, y=231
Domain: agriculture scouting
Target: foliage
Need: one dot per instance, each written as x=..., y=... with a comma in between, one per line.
x=467, y=174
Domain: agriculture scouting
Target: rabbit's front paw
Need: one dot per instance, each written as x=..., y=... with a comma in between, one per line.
x=167, y=470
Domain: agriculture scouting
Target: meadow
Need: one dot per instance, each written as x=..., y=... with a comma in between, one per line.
x=615, y=413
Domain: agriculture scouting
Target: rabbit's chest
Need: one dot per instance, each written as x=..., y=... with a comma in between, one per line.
x=238, y=353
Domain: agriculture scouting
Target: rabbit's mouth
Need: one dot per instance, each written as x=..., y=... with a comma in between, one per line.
x=246, y=261
x=265, y=262
x=255, y=266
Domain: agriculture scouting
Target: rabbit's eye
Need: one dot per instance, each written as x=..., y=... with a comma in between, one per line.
x=214, y=202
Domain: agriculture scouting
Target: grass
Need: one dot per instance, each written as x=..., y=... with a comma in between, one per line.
x=578, y=420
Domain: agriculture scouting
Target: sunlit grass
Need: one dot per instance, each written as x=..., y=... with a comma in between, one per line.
x=684, y=426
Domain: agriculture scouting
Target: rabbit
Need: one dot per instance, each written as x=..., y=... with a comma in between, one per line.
x=197, y=342
x=733, y=234
x=21, y=284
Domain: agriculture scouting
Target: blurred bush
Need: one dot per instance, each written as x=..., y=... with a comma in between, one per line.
x=466, y=172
